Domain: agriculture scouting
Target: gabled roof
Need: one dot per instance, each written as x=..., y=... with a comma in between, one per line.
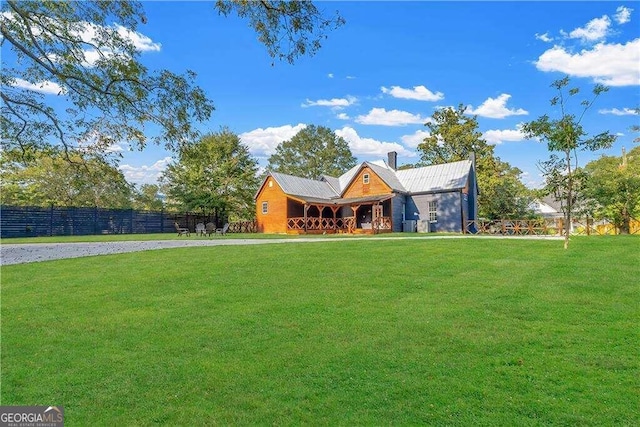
x=435, y=178
x=447, y=176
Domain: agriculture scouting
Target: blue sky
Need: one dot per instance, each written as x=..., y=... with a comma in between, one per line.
x=378, y=78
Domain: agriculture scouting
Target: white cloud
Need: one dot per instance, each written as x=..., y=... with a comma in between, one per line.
x=419, y=93
x=496, y=108
x=350, y=77
x=141, y=42
x=496, y=136
x=623, y=15
x=333, y=103
x=596, y=29
x=263, y=142
x=89, y=33
x=610, y=64
x=145, y=174
x=380, y=116
x=544, y=37
x=343, y=116
x=617, y=112
x=46, y=87
x=330, y=75
x=370, y=146
x=619, y=134
x=414, y=139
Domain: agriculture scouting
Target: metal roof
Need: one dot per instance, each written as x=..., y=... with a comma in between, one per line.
x=388, y=175
x=447, y=176
x=346, y=177
x=435, y=178
x=304, y=187
x=333, y=182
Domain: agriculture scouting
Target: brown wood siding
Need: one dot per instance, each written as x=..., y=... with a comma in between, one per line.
x=359, y=189
x=275, y=220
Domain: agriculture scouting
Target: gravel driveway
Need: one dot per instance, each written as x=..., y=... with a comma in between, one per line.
x=35, y=252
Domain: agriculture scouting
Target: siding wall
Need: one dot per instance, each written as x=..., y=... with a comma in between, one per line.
x=396, y=210
x=449, y=210
x=275, y=220
x=359, y=189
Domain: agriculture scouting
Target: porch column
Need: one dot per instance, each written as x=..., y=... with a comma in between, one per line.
x=355, y=208
x=306, y=206
x=334, y=209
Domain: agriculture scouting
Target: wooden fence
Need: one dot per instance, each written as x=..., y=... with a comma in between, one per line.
x=555, y=226
x=30, y=221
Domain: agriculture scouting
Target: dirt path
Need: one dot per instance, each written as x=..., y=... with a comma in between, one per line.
x=36, y=252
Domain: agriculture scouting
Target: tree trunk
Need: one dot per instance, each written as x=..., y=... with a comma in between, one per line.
x=625, y=227
x=567, y=225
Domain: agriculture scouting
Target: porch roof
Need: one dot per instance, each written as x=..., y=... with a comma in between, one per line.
x=344, y=201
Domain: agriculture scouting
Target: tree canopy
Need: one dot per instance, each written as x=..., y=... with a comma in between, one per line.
x=50, y=179
x=612, y=188
x=567, y=136
x=87, y=53
x=216, y=174
x=313, y=151
x=454, y=136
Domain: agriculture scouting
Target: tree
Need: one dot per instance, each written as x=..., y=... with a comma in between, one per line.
x=216, y=174
x=86, y=53
x=566, y=135
x=454, y=136
x=636, y=128
x=50, y=179
x=297, y=24
x=313, y=151
x=147, y=197
x=613, y=184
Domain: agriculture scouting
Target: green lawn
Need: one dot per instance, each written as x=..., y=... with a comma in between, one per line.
x=437, y=332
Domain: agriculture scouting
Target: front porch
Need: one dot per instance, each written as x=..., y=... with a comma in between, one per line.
x=361, y=216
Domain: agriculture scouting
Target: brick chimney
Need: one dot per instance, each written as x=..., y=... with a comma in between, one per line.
x=393, y=160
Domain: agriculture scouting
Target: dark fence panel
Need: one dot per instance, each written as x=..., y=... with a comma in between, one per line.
x=31, y=221
x=28, y=221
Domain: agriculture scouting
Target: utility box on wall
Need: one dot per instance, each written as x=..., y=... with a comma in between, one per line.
x=409, y=226
x=424, y=226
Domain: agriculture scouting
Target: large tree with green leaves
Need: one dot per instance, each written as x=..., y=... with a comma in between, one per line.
x=216, y=175
x=566, y=135
x=147, y=197
x=613, y=188
x=313, y=151
x=51, y=179
x=454, y=136
x=88, y=54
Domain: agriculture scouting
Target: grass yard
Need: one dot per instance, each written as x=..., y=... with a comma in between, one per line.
x=438, y=332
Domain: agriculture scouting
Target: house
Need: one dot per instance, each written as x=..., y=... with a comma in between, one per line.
x=547, y=207
x=370, y=198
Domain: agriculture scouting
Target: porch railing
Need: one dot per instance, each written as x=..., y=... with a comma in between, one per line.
x=322, y=224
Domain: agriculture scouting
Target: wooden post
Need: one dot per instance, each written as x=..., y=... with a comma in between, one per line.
x=334, y=209
x=306, y=207
x=355, y=208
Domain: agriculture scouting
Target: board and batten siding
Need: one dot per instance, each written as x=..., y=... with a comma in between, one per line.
x=358, y=188
x=397, y=209
x=275, y=220
x=449, y=213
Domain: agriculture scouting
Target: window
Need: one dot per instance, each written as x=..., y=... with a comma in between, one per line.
x=265, y=207
x=365, y=178
x=270, y=183
x=433, y=211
